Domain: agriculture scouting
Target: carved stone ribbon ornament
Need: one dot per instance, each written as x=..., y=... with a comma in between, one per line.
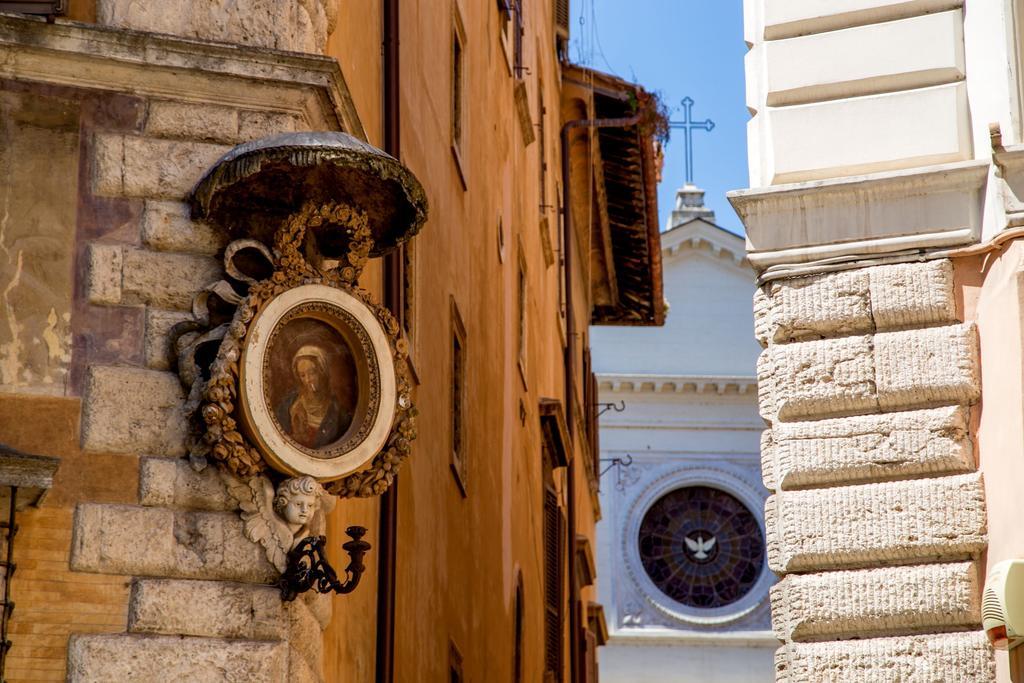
x=293, y=372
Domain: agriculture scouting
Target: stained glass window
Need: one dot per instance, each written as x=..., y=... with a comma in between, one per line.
x=701, y=546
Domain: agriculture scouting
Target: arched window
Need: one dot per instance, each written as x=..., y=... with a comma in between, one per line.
x=517, y=630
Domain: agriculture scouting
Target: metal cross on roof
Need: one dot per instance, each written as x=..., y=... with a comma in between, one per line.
x=689, y=125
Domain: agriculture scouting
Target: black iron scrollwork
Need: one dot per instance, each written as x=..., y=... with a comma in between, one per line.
x=308, y=567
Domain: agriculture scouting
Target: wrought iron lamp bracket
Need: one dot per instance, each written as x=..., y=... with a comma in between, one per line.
x=308, y=568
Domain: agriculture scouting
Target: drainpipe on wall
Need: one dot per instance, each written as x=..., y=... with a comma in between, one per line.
x=570, y=371
x=387, y=539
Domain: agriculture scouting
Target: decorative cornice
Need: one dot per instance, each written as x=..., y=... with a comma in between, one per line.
x=155, y=65
x=876, y=214
x=722, y=385
x=699, y=234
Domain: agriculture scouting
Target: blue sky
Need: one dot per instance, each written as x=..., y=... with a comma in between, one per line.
x=681, y=48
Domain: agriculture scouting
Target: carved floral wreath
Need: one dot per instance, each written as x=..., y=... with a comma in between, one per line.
x=209, y=347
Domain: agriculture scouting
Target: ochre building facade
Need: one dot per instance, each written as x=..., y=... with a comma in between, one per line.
x=134, y=566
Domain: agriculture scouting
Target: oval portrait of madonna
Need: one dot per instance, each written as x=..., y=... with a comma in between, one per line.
x=313, y=384
x=318, y=382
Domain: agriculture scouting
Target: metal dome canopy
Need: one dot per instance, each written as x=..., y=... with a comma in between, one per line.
x=254, y=187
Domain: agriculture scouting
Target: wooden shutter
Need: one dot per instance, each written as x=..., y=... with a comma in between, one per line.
x=517, y=40
x=562, y=15
x=554, y=533
x=589, y=656
x=595, y=428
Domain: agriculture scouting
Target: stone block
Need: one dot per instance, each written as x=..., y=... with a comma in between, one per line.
x=836, y=138
x=157, y=343
x=868, y=373
x=166, y=280
x=785, y=18
x=133, y=410
x=819, y=378
x=167, y=226
x=320, y=606
x=872, y=524
x=171, y=482
x=189, y=120
x=876, y=602
x=821, y=306
x=253, y=125
x=927, y=367
x=908, y=295
x=867, y=448
x=299, y=670
x=859, y=301
x=136, y=658
x=293, y=25
x=897, y=55
x=215, y=609
x=132, y=166
x=305, y=636
x=152, y=541
x=103, y=267
x=962, y=657
x=762, y=316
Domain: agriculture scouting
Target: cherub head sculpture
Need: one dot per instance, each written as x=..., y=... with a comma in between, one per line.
x=298, y=500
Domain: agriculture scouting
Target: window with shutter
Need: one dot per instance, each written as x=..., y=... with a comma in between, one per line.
x=42, y=7
x=562, y=29
x=554, y=533
x=518, y=64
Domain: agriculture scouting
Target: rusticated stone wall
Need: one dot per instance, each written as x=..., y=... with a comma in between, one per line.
x=294, y=25
x=199, y=604
x=877, y=517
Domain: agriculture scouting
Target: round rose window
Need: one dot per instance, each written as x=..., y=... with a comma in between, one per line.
x=701, y=547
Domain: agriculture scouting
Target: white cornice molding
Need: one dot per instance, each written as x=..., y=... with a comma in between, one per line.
x=876, y=214
x=722, y=385
x=635, y=637
x=155, y=65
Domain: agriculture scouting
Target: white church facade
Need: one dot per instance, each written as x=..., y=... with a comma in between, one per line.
x=681, y=552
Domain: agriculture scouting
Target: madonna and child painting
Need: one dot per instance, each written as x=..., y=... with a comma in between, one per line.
x=313, y=388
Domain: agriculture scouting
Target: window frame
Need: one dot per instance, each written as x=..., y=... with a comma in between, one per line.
x=458, y=456
x=457, y=90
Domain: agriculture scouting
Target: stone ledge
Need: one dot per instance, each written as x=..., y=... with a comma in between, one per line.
x=206, y=608
x=858, y=301
x=171, y=482
x=871, y=524
x=961, y=657
x=866, y=448
x=870, y=373
x=150, y=541
x=876, y=601
x=135, y=658
x=132, y=410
